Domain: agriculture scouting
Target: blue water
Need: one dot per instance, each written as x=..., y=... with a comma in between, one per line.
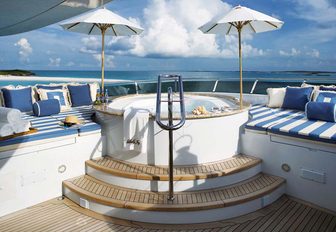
x=325, y=77
x=221, y=75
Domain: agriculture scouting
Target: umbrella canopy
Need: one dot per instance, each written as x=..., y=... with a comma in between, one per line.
x=102, y=22
x=241, y=20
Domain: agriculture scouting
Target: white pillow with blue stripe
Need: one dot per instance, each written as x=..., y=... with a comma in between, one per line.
x=60, y=95
x=325, y=96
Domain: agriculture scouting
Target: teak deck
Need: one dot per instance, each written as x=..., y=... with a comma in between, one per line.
x=98, y=191
x=286, y=214
x=150, y=172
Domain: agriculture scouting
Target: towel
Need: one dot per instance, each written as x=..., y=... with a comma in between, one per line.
x=136, y=129
x=5, y=129
x=8, y=115
x=21, y=126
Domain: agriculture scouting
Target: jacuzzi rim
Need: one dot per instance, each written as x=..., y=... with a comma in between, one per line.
x=246, y=106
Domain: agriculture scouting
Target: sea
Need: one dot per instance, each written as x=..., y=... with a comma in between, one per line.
x=278, y=76
x=220, y=75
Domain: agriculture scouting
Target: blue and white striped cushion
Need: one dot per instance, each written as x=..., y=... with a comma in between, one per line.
x=49, y=126
x=291, y=123
x=264, y=117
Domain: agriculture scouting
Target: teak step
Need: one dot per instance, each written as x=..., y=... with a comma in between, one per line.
x=92, y=189
x=193, y=172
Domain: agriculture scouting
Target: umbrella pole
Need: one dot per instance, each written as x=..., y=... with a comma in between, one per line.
x=240, y=70
x=102, y=58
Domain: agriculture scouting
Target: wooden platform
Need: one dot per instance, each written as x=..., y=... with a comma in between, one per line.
x=92, y=189
x=148, y=172
x=286, y=214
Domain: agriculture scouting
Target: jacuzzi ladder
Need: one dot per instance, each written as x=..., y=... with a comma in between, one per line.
x=206, y=192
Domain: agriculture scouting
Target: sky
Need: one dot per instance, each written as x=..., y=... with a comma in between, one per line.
x=171, y=40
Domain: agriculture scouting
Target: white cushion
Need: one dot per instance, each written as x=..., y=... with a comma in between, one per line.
x=93, y=90
x=275, y=97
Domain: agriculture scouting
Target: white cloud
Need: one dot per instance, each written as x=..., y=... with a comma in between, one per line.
x=25, y=49
x=108, y=61
x=313, y=53
x=292, y=52
x=319, y=34
x=320, y=25
x=172, y=31
x=91, y=45
x=320, y=11
x=55, y=62
x=70, y=64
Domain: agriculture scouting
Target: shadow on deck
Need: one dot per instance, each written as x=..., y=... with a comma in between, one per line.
x=286, y=214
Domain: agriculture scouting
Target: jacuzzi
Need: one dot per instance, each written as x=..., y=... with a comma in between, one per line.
x=202, y=139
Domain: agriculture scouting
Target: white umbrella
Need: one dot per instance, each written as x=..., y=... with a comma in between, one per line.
x=241, y=20
x=102, y=22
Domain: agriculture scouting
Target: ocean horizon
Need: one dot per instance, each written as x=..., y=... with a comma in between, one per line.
x=220, y=75
x=279, y=76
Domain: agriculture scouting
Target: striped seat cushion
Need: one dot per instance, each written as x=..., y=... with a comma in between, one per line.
x=49, y=127
x=292, y=123
x=84, y=113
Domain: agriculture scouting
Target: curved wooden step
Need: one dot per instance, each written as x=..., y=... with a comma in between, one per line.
x=94, y=190
x=126, y=169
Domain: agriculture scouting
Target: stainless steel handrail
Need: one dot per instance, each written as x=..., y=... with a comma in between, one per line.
x=254, y=86
x=177, y=79
x=170, y=126
x=215, y=86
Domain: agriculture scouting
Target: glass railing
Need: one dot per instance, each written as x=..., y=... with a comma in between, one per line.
x=257, y=86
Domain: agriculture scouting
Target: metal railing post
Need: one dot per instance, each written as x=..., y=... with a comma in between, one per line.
x=171, y=139
x=170, y=126
x=215, y=86
x=254, y=85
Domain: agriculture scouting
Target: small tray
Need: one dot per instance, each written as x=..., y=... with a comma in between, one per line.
x=31, y=131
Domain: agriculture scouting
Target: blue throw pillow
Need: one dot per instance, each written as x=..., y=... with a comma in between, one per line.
x=46, y=107
x=20, y=99
x=326, y=97
x=297, y=98
x=80, y=95
x=323, y=111
x=49, y=87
